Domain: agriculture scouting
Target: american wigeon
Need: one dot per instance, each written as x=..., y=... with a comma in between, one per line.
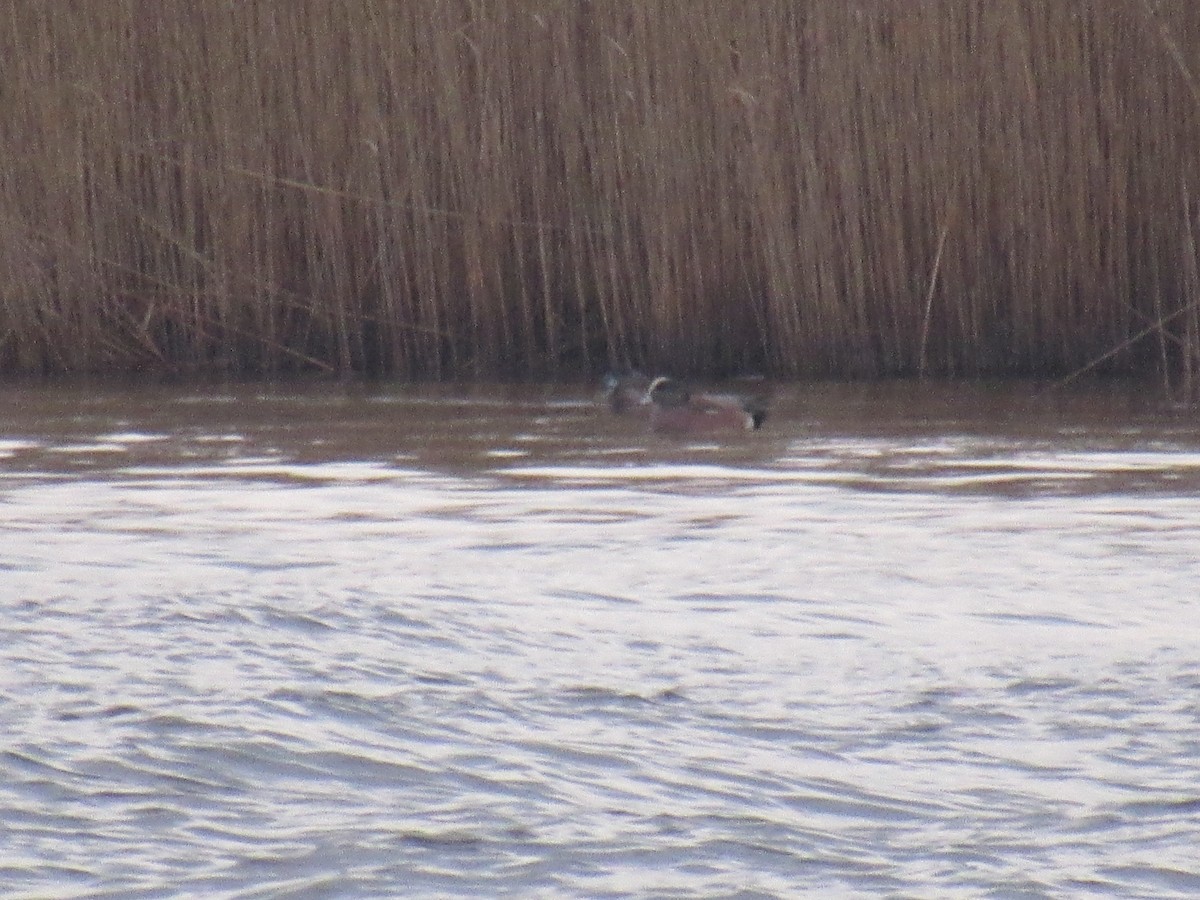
x=676, y=409
x=626, y=392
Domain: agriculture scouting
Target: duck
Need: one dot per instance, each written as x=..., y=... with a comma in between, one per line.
x=676, y=409
x=625, y=392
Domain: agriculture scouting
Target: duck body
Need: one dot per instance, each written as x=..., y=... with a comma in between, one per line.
x=676, y=409
x=625, y=392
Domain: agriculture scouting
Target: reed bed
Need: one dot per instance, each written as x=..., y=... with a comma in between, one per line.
x=547, y=188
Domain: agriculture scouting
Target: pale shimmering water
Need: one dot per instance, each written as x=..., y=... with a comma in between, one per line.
x=391, y=642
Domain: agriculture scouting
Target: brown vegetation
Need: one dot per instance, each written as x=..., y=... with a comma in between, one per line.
x=551, y=187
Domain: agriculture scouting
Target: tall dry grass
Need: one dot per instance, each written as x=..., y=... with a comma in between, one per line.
x=549, y=187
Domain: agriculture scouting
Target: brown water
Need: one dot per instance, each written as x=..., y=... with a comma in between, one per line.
x=414, y=642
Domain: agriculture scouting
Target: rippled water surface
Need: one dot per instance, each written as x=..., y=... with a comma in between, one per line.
x=384, y=641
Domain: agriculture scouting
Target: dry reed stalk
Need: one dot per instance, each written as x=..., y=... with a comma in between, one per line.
x=546, y=188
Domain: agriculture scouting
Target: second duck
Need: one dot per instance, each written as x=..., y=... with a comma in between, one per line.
x=674, y=408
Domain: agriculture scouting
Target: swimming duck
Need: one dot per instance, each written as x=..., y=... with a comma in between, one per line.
x=626, y=392
x=674, y=408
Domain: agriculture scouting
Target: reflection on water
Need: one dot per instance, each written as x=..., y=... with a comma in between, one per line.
x=910, y=641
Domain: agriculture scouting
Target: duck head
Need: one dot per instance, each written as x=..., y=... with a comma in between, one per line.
x=667, y=393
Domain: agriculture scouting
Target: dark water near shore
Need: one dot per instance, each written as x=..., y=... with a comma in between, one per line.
x=425, y=642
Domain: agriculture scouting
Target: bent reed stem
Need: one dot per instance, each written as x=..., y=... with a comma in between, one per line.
x=547, y=189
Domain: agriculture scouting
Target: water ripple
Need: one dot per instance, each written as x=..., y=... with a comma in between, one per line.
x=248, y=654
